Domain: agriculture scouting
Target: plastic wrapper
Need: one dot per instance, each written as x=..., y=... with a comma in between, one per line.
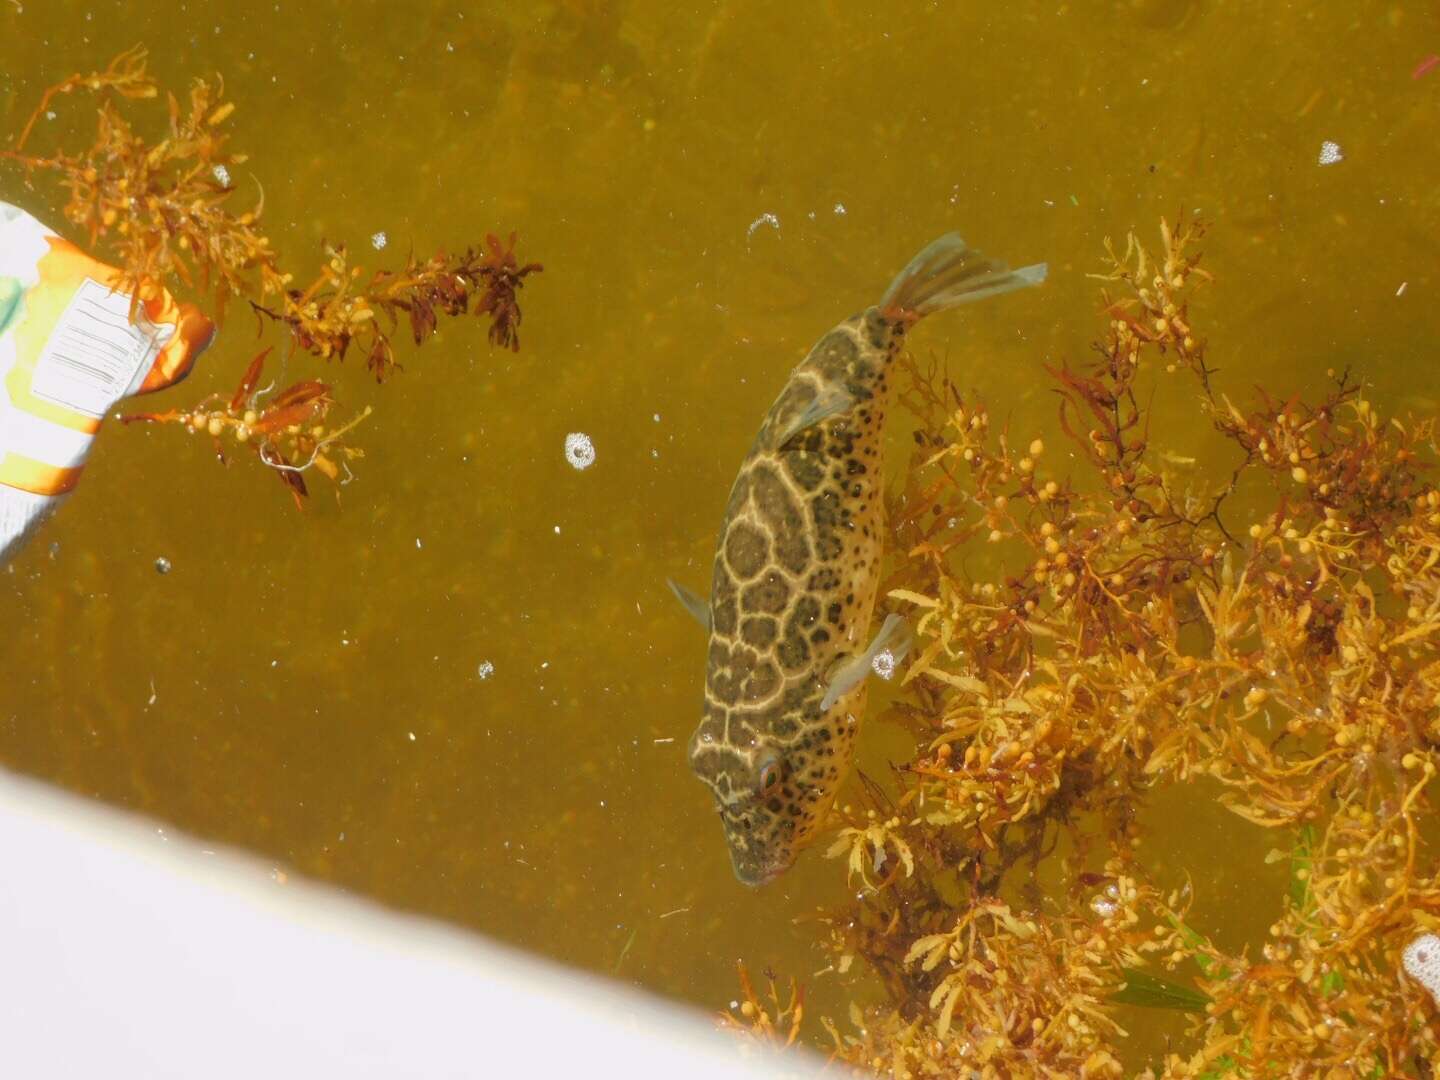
x=73, y=342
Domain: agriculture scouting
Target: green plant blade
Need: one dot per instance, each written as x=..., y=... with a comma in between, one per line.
x=1152, y=992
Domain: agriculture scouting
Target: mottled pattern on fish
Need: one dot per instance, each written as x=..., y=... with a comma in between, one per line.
x=797, y=566
x=796, y=570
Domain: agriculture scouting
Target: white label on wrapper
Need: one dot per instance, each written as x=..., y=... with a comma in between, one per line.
x=21, y=513
x=96, y=353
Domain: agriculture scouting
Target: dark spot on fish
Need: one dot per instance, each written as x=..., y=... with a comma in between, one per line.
x=806, y=469
x=759, y=631
x=807, y=612
x=722, y=600
x=770, y=594
x=780, y=512
x=833, y=355
x=722, y=616
x=794, y=654
x=825, y=510
x=823, y=580
x=746, y=549
x=762, y=683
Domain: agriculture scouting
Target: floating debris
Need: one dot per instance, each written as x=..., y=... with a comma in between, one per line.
x=579, y=450
x=1429, y=64
x=162, y=565
x=1401, y=291
x=1330, y=153
x=840, y=209
x=485, y=670
x=763, y=219
x=222, y=174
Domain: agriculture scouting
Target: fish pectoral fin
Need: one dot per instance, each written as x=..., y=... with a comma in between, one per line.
x=831, y=401
x=894, y=635
x=692, y=603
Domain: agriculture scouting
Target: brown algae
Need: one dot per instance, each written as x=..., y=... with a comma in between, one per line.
x=1266, y=642
x=161, y=204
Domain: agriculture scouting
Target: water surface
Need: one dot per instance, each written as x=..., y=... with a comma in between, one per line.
x=710, y=187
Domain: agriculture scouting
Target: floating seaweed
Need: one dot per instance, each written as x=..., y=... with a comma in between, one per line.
x=163, y=205
x=288, y=433
x=1134, y=635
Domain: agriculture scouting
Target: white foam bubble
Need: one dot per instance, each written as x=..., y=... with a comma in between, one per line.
x=1330, y=153
x=764, y=219
x=579, y=450
x=1422, y=963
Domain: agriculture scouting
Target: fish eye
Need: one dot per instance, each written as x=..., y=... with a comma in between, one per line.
x=769, y=777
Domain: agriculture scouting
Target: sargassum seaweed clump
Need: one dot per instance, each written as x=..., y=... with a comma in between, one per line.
x=1266, y=640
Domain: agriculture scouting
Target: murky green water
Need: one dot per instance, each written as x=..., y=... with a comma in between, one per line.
x=307, y=686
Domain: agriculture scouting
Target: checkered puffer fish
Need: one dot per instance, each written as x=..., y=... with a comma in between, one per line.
x=797, y=566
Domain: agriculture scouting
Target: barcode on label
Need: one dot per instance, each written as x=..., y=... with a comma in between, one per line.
x=95, y=351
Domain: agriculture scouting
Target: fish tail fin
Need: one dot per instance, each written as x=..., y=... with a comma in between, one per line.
x=949, y=272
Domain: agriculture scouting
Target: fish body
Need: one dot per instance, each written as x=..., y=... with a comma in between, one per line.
x=797, y=567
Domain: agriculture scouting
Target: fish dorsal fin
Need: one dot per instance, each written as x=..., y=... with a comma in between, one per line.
x=832, y=400
x=894, y=634
x=693, y=604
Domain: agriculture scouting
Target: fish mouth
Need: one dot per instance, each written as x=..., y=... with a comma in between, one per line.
x=758, y=874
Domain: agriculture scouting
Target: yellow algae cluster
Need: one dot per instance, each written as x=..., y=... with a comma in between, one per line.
x=1267, y=640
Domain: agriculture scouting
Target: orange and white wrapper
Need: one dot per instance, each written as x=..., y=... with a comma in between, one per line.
x=69, y=350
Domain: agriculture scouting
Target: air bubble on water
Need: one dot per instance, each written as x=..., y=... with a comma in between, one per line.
x=162, y=565
x=379, y=240
x=222, y=174
x=1104, y=907
x=840, y=208
x=579, y=450
x=485, y=670
x=1330, y=153
x=764, y=219
x=1422, y=963
x=884, y=664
